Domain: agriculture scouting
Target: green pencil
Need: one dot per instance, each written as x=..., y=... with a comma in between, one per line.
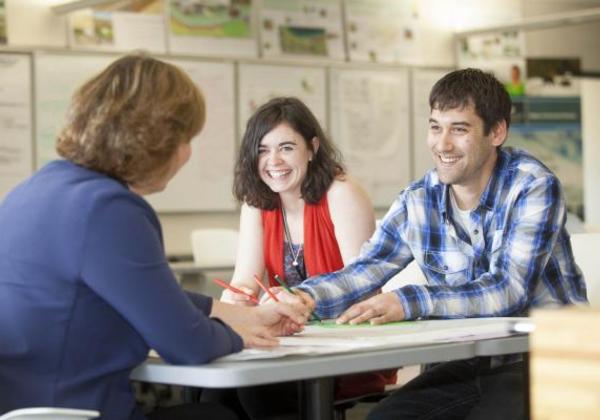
x=287, y=289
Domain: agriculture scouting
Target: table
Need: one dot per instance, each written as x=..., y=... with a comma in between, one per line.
x=189, y=273
x=316, y=373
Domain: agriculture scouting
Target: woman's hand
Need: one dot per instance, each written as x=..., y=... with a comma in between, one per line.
x=256, y=336
x=260, y=325
x=237, y=298
x=379, y=309
x=282, y=318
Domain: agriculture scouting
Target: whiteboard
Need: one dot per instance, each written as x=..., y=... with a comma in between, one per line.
x=57, y=77
x=422, y=82
x=205, y=182
x=259, y=83
x=15, y=120
x=370, y=125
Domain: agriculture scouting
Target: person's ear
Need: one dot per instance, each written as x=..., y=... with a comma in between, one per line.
x=315, y=146
x=499, y=133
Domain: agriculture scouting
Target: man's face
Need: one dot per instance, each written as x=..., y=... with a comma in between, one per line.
x=464, y=156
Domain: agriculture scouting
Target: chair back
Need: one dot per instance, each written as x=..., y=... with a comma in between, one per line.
x=214, y=248
x=586, y=247
x=50, y=413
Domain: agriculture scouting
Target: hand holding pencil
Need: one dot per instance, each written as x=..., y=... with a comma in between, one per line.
x=285, y=294
x=236, y=295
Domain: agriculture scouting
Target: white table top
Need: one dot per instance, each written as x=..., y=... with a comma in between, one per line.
x=255, y=372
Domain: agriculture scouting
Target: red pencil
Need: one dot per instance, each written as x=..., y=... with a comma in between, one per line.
x=267, y=291
x=235, y=289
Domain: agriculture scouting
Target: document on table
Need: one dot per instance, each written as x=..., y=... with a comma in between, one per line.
x=329, y=338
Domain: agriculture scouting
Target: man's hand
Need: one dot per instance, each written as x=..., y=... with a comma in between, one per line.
x=298, y=297
x=379, y=309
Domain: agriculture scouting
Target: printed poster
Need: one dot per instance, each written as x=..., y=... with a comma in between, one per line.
x=122, y=25
x=2, y=23
x=302, y=29
x=383, y=31
x=213, y=27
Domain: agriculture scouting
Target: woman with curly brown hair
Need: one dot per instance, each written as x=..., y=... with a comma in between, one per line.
x=85, y=289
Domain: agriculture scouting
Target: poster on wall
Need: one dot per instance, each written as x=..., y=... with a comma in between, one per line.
x=302, y=29
x=546, y=121
x=501, y=53
x=212, y=27
x=553, y=76
x=370, y=123
x=15, y=120
x=383, y=31
x=259, y=83
x=121, y=25
x=204, y=183
x=67, y=72
x=2, y=23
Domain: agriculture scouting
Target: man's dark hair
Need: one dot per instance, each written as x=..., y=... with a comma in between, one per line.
x=460, y=88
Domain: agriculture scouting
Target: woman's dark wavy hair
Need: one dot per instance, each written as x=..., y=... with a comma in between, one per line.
x=325, y=166
x=461, y=88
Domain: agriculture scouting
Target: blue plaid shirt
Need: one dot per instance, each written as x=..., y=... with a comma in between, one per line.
x=521, y=256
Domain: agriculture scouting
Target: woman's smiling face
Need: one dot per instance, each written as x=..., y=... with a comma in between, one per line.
x=283, y=159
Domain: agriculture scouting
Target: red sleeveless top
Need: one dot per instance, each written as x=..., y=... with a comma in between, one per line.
x=321, y=255
x=321, y=251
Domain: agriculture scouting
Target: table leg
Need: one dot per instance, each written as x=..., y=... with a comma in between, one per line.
x=527, y=385
x=316, y=399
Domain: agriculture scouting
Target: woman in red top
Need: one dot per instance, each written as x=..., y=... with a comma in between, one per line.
x=302, y=215
x=299, y=206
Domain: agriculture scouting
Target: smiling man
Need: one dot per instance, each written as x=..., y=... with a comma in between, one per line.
x=487, y=228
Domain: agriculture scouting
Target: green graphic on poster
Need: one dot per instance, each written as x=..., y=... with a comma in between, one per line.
x=2, y=23
x=204, y=18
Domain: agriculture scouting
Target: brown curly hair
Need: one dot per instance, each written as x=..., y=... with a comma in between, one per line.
x=128, y=121
x=325, y=166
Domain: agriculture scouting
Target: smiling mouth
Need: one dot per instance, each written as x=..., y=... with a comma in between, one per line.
x=278, y=174
x=448, y=160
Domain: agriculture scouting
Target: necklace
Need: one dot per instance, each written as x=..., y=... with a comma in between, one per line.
x=295, y=255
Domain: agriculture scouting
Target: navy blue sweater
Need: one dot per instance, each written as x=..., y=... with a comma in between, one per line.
x=85, y=291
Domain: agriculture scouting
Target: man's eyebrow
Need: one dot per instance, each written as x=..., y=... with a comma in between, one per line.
x=454, y=123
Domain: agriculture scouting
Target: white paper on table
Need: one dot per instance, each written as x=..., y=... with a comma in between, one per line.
x=321, y=340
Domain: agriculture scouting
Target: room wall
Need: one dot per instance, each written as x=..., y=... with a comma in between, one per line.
x=569, y=41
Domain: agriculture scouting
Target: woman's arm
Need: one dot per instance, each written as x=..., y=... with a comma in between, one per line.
x=352, y=215
x=249, y=259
